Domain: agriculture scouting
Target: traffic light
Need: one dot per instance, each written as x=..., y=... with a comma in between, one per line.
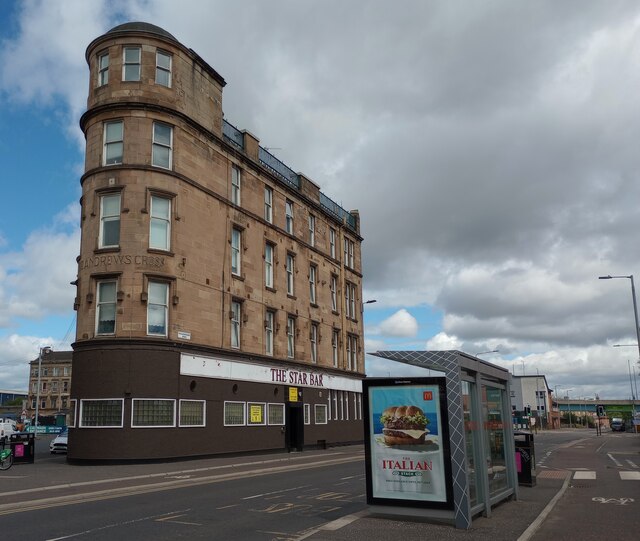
x=600, y=411
x=527, y=410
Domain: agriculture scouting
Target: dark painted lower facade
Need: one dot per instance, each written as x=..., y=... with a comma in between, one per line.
x=142, y=400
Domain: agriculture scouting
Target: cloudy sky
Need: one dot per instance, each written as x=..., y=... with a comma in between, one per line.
x=490, y=147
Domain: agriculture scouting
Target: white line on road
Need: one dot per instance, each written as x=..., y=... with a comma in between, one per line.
x=632, y=463
x=630, y=475
x=275, y=492
x=115, y=525
x=584, y=475
x=614, y=460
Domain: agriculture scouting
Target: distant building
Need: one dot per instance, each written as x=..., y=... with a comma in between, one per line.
x=55, y=385
x=9, y=396
x=219, y=293
x=531, y=394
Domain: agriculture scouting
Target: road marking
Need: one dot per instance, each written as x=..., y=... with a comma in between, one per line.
x=71, y=499
x=616, y=501
x=630, y=475
x=614, y=460
x=115, y=525
x=584, y=475
x=171, y=519
x=632, y=464
x=227, y=506
x=275, y=492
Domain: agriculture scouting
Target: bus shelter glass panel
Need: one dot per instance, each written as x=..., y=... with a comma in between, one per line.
x=470, y=432
x=492, y=412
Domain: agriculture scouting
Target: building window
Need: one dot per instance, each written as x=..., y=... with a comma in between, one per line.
x=291, y=337
x=103, y=69
x=235, y=185
x=163, y=69
x=288, y=210
x=160, y=229
x=290, y=272
x=320, y=414
x=352, y=352
x=345, y=395
x=131, y=64
x=335, y=341
x=348, y=253
x=234, y=414
x=332, y=242
x=275, y=414
x=255, y=414
x=236, y=251
x=235, y=324
x=162, y=145
x=157, y=413
x=56, y=371
x=268, y=332
x=307, y=414
x=313, y=270
x=106, y=307
x=359, y=406
x=113, y=142
x=67, y=371
x=314, y=343
x=109, y=221
x=65, y=386
x=101, y=413
x=350, y=300
x=333, y=286
x=34, y=387
x=268, y=265
x=312, y=230
x=192, y=413
x=335, y=405
x=157, y=308
x=268, y=204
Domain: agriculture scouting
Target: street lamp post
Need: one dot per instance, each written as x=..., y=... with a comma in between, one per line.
x=45, y=350
x=635, y=313
x=635, y=304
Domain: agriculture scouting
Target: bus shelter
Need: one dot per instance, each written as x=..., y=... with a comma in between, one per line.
x=466, y=463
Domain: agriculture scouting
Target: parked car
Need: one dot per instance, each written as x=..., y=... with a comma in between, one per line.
x=617, y=425
x=7, y=427
x=59, y=443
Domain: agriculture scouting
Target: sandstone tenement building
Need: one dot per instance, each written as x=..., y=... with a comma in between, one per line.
x=218, y=291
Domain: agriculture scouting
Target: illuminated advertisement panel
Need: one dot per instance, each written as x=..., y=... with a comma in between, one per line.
x=407, y=442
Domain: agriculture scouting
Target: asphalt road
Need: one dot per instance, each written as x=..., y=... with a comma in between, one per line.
x=602, y=500
x=289, y=496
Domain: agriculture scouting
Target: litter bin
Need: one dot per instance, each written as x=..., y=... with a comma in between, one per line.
x=23, y=446
x=525, y=457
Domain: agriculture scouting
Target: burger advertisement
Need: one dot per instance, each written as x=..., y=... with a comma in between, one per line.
x=407, y=441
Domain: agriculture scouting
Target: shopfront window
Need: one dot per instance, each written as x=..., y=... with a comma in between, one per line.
x=495, y=455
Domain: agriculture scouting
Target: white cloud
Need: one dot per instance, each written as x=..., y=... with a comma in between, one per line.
x=400, y=324
x=443, y=342
x=15, y=354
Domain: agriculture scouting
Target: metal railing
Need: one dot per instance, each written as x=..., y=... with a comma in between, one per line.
x=276, y=166
x=232, y=134
x=332, y=207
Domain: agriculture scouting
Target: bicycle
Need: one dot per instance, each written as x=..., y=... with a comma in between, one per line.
x=6, y=458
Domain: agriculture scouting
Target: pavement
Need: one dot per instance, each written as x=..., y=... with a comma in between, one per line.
x=25, y=486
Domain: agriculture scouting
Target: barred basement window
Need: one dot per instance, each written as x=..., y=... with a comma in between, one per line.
x=153, y=412
x=320, y=414
x=101, y=413
x=192, y=413
x=234, y=414
x=275, y=414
